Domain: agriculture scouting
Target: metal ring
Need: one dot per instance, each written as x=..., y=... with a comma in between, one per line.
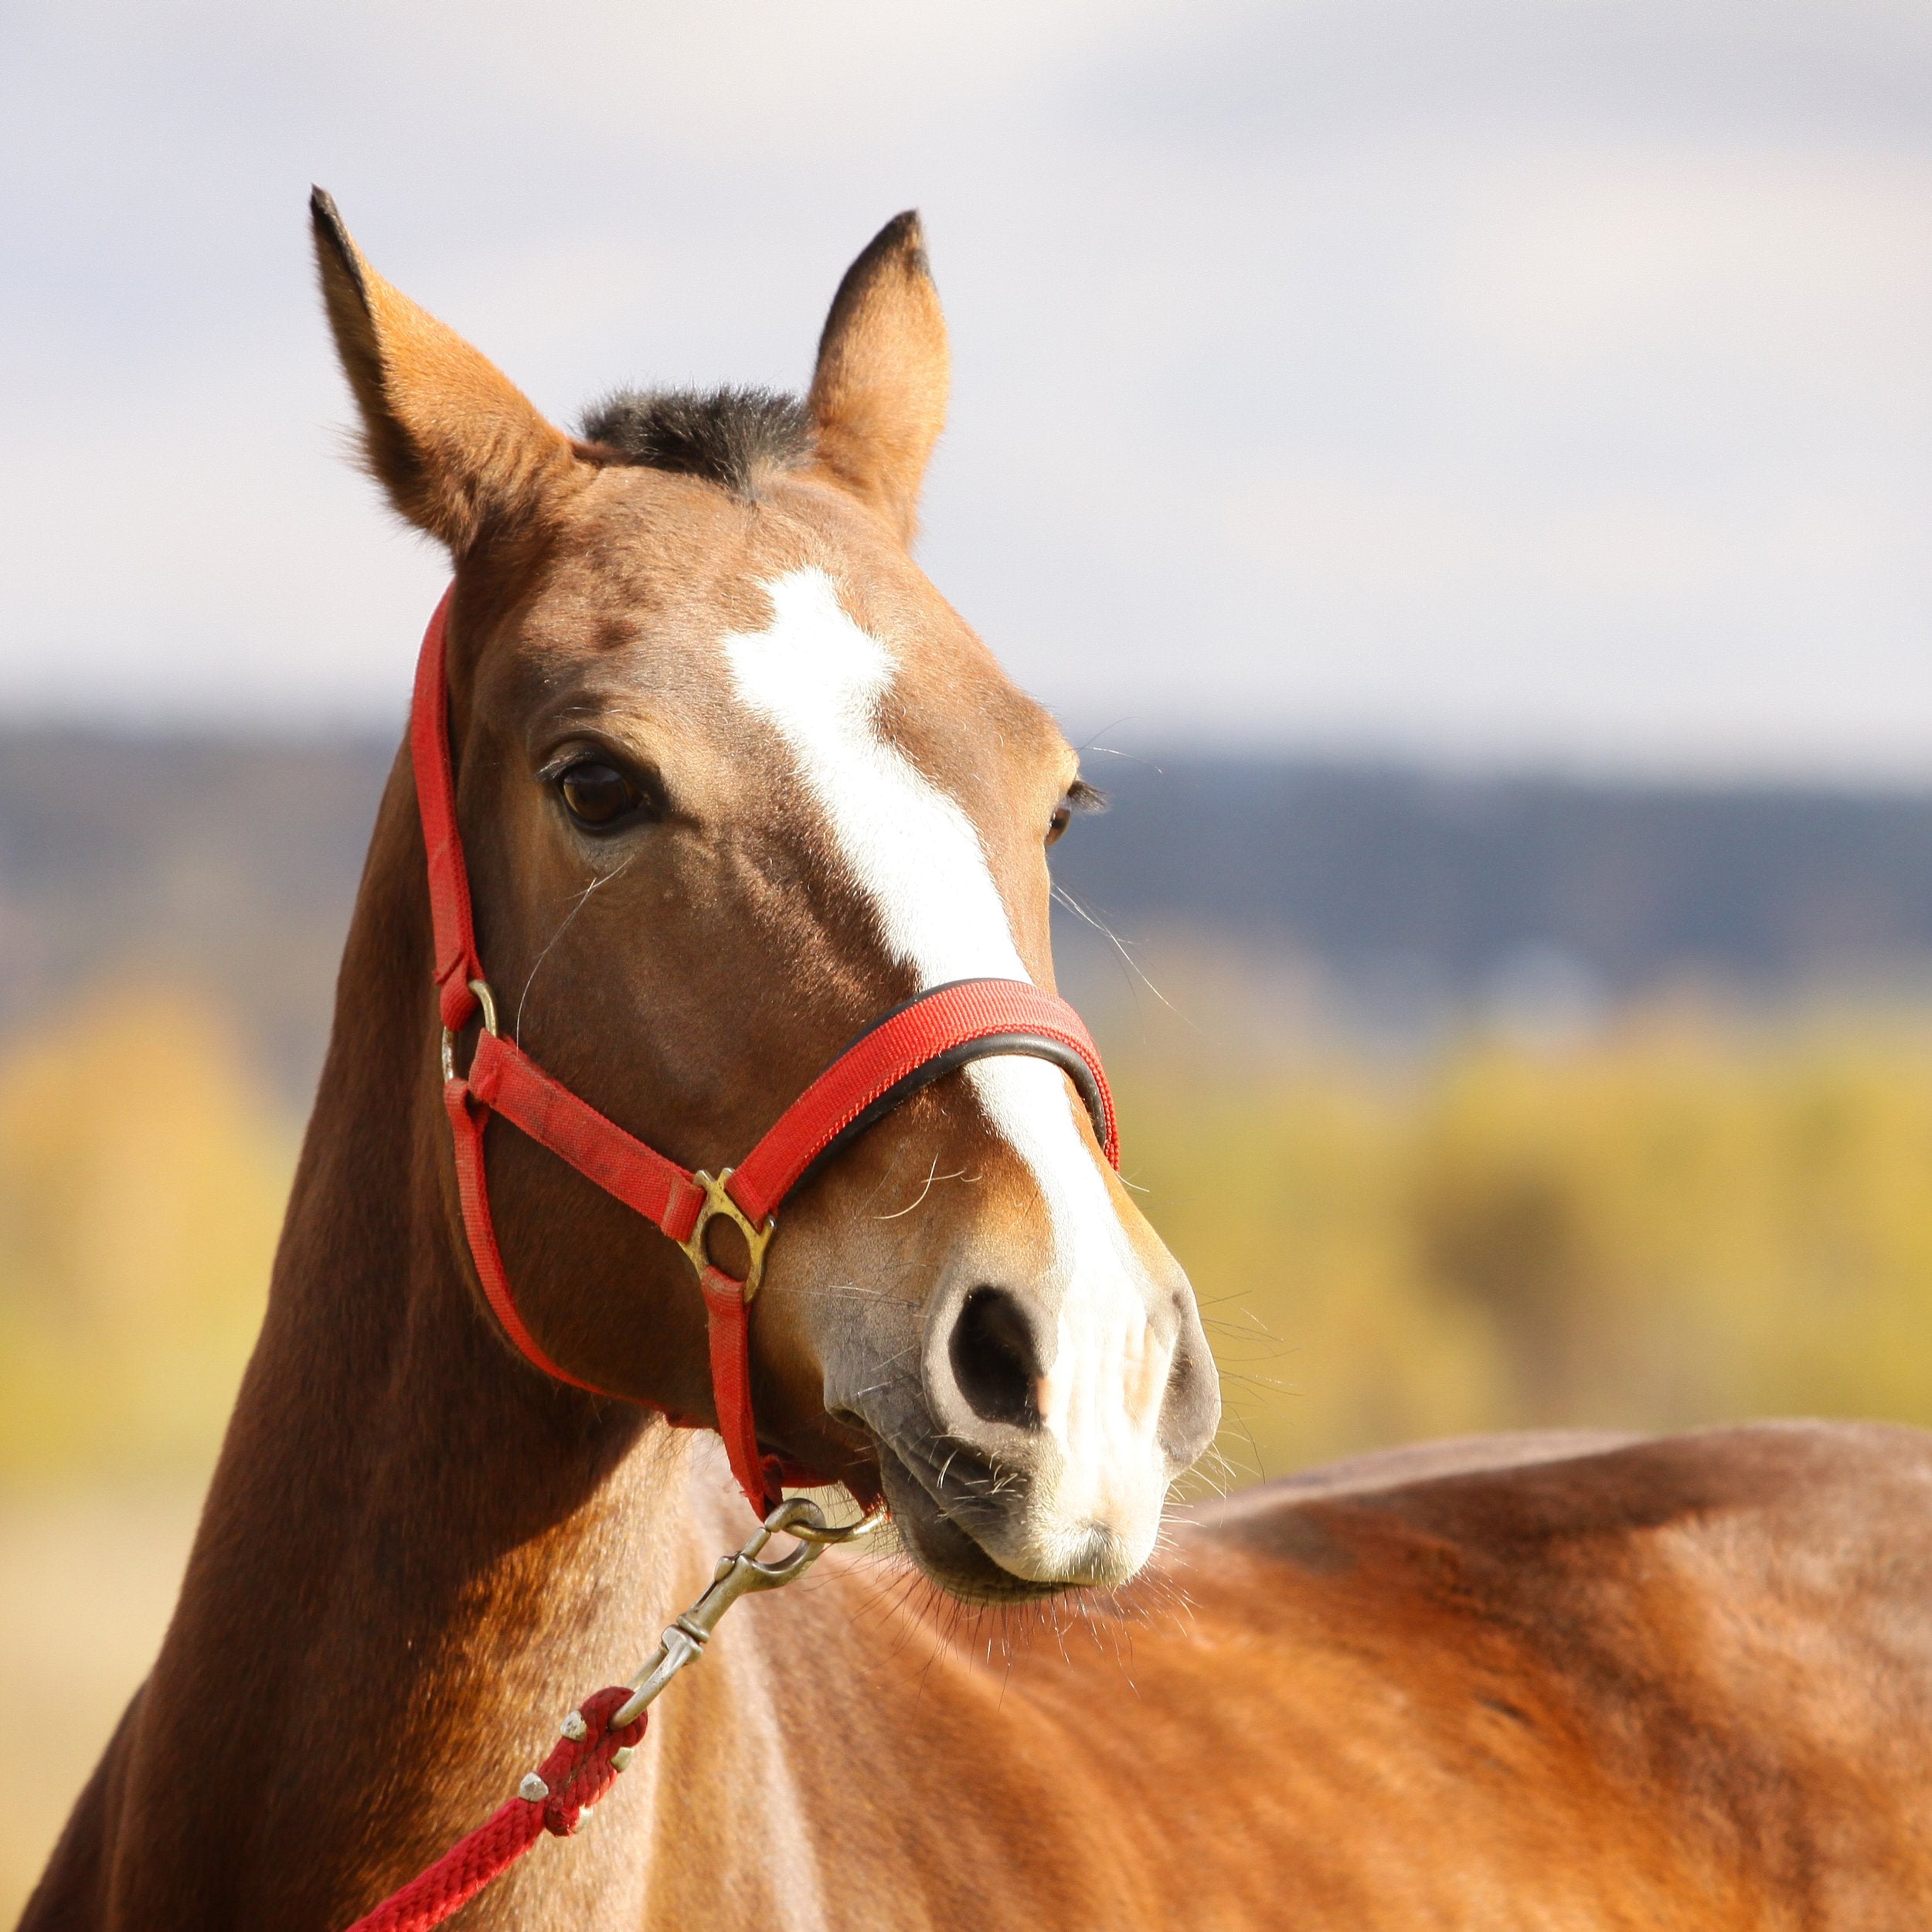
x=487, y=1000
x=717, y=1201
x=784, y=1520
x=740, y=1574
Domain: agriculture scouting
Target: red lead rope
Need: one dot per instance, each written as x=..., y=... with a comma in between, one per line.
x=574, y=1775
x=914, y=1044
x=599, y=1737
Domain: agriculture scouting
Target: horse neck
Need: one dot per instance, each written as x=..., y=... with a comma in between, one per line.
x=417, y=1554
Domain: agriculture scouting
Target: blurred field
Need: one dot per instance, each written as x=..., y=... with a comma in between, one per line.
x=1674, y=1215
x=142, y=1171
x=1681, y=1219
x=88, y=1578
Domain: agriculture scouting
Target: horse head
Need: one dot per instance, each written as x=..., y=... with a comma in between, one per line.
x=734, y=779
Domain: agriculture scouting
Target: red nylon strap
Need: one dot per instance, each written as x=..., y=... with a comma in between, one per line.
x=472, y=1189
x=963, y=1015
x=508, y=1081
x=916, y=1042
x=457, y=963
x=728, y=1323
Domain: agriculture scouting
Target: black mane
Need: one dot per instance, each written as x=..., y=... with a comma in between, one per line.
x=732, y=437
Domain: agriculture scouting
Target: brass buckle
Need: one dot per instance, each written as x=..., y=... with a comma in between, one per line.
x=485, y=999
x=718, y=1201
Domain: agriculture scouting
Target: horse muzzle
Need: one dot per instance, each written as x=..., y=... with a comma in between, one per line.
x=1032, y=1451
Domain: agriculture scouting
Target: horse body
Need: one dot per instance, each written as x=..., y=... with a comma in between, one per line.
x=1640, y=1686
x=1681, y=1684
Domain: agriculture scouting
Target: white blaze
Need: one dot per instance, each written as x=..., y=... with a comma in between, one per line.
x=818, y=679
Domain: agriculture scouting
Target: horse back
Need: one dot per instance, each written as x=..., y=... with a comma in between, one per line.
x=1678, y=1682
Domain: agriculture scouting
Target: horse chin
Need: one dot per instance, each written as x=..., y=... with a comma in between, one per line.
x=944, y=1552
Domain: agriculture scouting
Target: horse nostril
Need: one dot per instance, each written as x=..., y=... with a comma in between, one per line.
x=994, y=1359
x=1190, y=1405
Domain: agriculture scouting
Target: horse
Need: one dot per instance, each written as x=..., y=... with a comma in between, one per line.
x=733, y=779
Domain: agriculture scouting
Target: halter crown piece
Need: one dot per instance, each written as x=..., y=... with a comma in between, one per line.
x=902, y=1051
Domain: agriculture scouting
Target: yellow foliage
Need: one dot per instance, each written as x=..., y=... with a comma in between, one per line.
x=142, y=1178
x=1678, y=1224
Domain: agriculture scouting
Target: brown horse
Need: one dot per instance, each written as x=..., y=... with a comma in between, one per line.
x=734, y=779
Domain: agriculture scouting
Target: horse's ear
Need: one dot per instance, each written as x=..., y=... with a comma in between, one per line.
x=878, y=394
x=457, y=445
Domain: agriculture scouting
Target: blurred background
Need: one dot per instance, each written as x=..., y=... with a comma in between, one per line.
x=1460, y=467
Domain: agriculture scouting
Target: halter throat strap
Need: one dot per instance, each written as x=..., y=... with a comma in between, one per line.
x=902, y=1051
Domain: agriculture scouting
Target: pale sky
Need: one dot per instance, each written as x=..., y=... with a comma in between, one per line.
x=1534, y=382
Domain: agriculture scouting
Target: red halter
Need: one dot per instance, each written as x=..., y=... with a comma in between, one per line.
x=898, y=1053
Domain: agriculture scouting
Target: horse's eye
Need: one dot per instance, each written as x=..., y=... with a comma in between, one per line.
x=1080, y=797
x=597, y=794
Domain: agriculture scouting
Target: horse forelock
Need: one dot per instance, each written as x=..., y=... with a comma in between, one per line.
x=735, y=437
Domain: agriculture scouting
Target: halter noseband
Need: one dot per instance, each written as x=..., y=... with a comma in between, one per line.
x=900, y=1052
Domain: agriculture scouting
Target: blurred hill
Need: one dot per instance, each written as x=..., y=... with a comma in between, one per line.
x=229, y=864
x=1421, y=895
x=226, y=864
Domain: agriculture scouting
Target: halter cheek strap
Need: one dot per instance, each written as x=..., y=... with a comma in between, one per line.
x=903, y=1050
